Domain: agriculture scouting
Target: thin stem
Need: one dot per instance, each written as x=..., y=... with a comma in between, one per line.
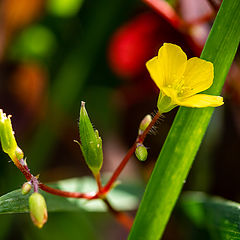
x=26, y=172
x=67, y=194
x=123, y=218
x=166, y=11
x=101, y=190
x=130, y=152
x=214, y=5
x=23, y=169
x=98, y=180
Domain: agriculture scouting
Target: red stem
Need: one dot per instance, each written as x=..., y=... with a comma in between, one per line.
x=166, y=11
x=130, y=152
x=214, y=5
x=102, y=191
x=123, y=218
x=67, y=194
x=98, y=180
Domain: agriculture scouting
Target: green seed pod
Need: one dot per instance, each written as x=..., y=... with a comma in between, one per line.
x=8, y=141
x=26, y=188
x=91, y=143
x=144, y=124
x=141, y=152
x=38, y=209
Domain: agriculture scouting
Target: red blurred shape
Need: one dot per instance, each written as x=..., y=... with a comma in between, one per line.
x=137, y=41
x=133, y=44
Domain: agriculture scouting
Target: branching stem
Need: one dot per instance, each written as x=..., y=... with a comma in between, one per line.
x=102, y=191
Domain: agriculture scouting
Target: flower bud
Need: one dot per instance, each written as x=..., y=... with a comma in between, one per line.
x=9, y=144
x=38, y=209
x=91, y=143
x=144, y=124
x=141, y=152
x=26, y=188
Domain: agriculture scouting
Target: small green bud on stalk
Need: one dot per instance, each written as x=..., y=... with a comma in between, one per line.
x=26, y=188
x=144, y=124
x=91, y=143
x=38, y=209
x=141, y=152
x=8, y=141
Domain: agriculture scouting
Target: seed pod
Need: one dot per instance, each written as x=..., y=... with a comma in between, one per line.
x=141, y=152
x=91, y=143
x=26, y=188
x=144, y=124
x=38, y=209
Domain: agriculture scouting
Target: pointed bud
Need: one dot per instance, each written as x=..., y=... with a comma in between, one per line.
x=26, y=188
x=91, y=143
x=141, y=152
x=38, y=209
x=9, y=144
x=144, y=124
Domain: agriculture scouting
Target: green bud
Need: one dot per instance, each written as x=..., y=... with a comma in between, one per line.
x=144, y=124
x=8, y=141
x=91, y=143
x=26, y=188
x=141, y=152
x=38, y=209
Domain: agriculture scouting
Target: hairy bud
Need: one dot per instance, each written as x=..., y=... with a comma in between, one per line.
x=144, y=124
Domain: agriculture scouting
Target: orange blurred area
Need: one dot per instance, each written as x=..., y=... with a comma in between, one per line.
x=28, y=85
x=18, y=13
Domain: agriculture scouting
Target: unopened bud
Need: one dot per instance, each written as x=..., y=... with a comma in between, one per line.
x=144, y=124
x=9, y=144
x=26, y=188
x=38, y=209
x=141, y=152
x=91, y=143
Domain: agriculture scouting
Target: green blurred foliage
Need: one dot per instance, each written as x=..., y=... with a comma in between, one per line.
x=64, y=8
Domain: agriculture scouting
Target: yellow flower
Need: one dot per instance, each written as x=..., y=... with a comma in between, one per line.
x=179, y=79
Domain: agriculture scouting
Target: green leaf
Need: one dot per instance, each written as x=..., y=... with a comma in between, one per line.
x=221, y=217
x=187, y=132
x=124, y=197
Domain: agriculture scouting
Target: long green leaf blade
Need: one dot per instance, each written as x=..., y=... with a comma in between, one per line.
x=187, y=132
x=221, y=217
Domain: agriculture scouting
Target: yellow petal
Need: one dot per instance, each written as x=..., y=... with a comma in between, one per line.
x=200, y=101
x=153, y=68
x=167, y=68
x=172, y=63
x=198, y=76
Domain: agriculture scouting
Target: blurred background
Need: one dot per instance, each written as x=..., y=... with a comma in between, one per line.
x=55, y=53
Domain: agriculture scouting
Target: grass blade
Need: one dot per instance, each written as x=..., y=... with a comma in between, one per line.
x=187, y=132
